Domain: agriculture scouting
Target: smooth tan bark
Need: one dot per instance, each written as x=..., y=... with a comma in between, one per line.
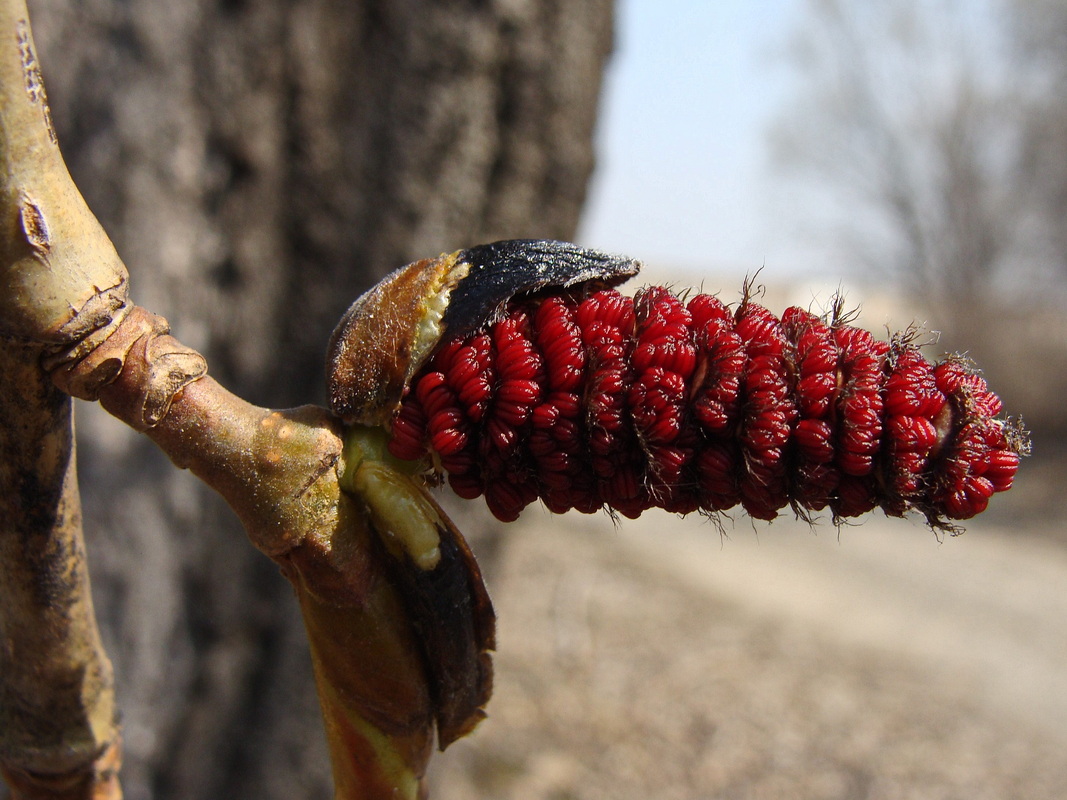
x=58, y=733
x=59, y=280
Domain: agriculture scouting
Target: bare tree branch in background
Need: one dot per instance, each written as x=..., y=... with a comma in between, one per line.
x=914, y=117
x=1040, y=37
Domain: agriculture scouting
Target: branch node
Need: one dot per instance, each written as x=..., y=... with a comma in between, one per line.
x=136, y=342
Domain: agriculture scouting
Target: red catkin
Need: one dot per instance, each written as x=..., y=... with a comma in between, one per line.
x=598, y=400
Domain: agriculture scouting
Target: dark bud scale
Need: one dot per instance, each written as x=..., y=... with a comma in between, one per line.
x=589, y=400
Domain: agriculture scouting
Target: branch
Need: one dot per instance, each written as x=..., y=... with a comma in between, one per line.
x=59, y=280
x=58, y=736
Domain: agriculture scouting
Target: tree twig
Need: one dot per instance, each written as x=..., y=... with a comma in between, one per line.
x=58, y=735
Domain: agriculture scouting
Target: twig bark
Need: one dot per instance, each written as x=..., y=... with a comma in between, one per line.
x=58, y=736
x=279, y=471
x=59, y=280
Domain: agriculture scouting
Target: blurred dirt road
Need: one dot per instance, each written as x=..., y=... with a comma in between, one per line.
x=660, y=660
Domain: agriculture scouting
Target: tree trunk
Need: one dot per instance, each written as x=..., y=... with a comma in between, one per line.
x=258, y=165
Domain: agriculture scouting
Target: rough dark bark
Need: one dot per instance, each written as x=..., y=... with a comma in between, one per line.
x=258, y=165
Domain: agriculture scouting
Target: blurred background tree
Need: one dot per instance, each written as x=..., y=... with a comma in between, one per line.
x=258, y=164
x=1039, y=39
x=934, y=139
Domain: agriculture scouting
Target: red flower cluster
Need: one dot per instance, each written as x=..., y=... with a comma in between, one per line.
x=652, y=401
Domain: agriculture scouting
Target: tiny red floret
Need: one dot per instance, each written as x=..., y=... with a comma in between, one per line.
x=593, y=400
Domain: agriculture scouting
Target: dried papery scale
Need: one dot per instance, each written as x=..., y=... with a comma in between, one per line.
x=387, y=334
x=590, y=399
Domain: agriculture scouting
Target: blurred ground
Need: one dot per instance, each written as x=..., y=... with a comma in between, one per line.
x=660, y=660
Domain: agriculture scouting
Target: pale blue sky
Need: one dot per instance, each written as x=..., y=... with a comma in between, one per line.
x=683, y=176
